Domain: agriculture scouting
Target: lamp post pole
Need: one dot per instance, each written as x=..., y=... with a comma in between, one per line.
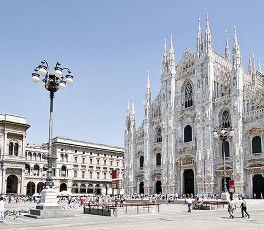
x=50, y=158
x=53, y=81
x=224, y=158
x=223, y=134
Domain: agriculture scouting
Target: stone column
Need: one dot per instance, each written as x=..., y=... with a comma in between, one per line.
x=3, y=182
x=22, y=182
x=19, y=186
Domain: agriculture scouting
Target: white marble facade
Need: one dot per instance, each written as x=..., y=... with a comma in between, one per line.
x=81, y=167
x=174, y=150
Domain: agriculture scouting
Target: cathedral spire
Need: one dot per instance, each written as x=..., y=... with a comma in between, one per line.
x=227, y=52
x=208, y=39
x=128, y=107
x=165, y=58
x=148, y=90
x=199, y=41
x=253, y=62
x=250, y=65
x=259, y=66
x=171, y=58
x=236, y=52
x=132, y=107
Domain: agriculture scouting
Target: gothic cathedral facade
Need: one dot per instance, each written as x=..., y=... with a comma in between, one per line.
x=175, y=149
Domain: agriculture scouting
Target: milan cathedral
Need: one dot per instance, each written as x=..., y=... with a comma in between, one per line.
x=176, y=149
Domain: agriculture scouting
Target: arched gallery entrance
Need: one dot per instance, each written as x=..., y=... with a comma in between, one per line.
x=63, y=187
x=258, y=185
x=188, y=179
x=40, y=187
x=227, y=183
x=158, y=187
x=30, y=188
x=11, y=184
x=141, y=187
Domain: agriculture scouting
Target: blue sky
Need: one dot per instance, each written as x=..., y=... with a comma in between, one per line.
x=109, y=46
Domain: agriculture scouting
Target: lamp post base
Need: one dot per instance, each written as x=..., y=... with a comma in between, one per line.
x=48, y=206
x=48, y=198
x=225, y=196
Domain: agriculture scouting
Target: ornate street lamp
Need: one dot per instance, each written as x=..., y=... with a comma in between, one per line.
x=53, y=81
x=223, y=134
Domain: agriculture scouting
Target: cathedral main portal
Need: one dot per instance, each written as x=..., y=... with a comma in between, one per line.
x=188, y=176
x=258, y=186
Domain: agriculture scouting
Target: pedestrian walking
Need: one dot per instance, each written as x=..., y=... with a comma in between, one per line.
x=2, y=209
x=231, y=207
x=189, y=203
x=243, y=207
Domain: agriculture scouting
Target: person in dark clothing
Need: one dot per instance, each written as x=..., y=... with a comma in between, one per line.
x=243, y=207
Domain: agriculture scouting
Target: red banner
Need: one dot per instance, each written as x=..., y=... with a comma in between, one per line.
x=232, y=186
x=114, y=174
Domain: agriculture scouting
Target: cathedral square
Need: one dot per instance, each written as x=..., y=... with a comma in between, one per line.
x=191, y=156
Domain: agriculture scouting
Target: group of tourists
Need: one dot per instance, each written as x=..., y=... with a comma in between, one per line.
x=232, y=207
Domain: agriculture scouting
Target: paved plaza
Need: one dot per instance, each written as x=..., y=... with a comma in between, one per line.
x=171, y=216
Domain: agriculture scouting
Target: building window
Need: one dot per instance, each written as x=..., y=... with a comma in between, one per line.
x=83, y=152
x=98, y=161
x=225, y=149
x=158, y=159
x=75, y=159
x=91, y=175
x=83, y=160
x=104, y=175
x=98, y=175
x=75, y=173
x=141, y=162
x=11, y=144
x=83, y=174
x=117, y=163
x=111, y=163
x=226, y=120
x=256, y=145
x=75, y=151
x=91, y=161
x=104, y=162
x=188, y=95
x=187, y=133
x=16, y=149
x=159, y=135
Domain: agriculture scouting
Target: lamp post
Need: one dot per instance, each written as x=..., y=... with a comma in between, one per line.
x=223, y=134
x=52, y=81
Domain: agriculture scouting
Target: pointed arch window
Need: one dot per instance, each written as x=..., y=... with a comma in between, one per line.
x=159, y=135
x=226, y=123
x=188, y=95
x=256, y=145
x=187, y=133
x=141, y=162
x=158, y=159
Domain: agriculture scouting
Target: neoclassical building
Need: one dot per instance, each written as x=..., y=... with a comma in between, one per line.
x=81, y=167
x=175, y=150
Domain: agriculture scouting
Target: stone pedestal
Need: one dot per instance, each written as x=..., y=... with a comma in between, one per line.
x=225, y=196
x=48, y=206
x=49, y=198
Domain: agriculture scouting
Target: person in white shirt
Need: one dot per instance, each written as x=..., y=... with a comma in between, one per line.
x=2, y=209
x=231, y=207
x=189, y=203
